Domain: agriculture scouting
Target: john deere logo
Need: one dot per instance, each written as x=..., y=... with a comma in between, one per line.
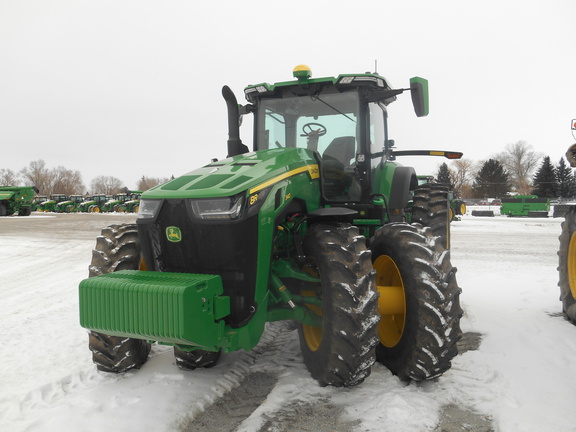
x=173, y=234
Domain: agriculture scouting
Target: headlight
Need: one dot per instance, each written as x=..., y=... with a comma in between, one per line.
x=149, y=208
x=228, y=208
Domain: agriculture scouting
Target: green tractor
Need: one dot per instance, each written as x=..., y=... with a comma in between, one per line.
x=50, y=205
x=70, y=205
x=308, y=226
x=132, y=205
x=123, y=202
x=38, y=201
x=115, y=202
x=92, y=204
x=16, y=199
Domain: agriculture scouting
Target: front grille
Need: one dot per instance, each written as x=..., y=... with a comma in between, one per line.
x=227, y=249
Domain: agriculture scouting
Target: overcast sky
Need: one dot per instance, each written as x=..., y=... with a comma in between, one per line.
x=132, y=88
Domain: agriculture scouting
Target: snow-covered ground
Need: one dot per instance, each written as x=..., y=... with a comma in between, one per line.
x=523, y=375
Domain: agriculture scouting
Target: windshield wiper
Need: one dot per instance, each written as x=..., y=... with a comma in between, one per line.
x=314, y=98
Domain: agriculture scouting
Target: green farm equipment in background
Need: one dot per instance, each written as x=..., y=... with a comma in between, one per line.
x=50, y=204
x=112, y=205
x=126, y=202
x=525, y=206
x=133, y=204
x=308, y=225
x=38, y=201
x=70, y=205
x=16, y=200
x=92, y=204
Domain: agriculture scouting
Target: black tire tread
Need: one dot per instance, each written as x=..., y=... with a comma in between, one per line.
x=430, y=208
x=190, y=360
x=566, y=297
x=117, y=248
x=432, y=327
x=346, y=352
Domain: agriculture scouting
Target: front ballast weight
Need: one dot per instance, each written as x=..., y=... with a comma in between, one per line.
x=163, y=307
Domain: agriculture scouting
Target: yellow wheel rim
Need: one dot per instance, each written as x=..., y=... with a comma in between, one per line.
x=392, y=301
x=463, y=209
x=312, y=335
x=572, y=264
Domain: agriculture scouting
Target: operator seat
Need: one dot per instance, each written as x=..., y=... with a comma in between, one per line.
x=342, y=148
x=338, y=162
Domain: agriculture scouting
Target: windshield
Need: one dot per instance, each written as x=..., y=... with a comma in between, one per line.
x=284, y=122
x=328, y=124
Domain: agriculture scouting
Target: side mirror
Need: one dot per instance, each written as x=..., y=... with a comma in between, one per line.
x=419, y=93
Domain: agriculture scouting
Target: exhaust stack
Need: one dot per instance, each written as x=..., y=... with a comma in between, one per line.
x=235, y=146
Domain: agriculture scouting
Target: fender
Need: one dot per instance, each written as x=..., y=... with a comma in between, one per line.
x=403, y=182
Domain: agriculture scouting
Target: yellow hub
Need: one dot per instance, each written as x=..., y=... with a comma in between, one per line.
x=392, y=301
x=312, y=335
x=571, y=258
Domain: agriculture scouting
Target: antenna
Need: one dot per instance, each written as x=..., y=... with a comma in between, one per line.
x=375, y=66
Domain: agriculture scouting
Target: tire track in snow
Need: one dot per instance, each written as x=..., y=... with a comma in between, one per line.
x=269, y=398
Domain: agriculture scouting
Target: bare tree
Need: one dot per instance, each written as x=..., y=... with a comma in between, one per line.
x=462, y=175
x=8, y=178
x=38, y=175
x=146, y=183
x=520, y=162
x=67, y=181
x=106, y=185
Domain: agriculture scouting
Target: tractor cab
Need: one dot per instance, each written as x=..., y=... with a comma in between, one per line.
x=342, y=119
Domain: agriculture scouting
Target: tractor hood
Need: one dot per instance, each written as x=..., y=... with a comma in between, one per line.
x=246, y=172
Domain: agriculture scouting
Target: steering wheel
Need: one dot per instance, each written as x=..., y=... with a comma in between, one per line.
x=308, y=129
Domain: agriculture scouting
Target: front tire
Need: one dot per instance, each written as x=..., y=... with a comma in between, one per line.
x=419, y=302
x=199, y=358
x=567, y=265
x=341, y=352
x=117, y=248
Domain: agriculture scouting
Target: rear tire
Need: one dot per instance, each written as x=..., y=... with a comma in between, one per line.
x=431, y=208
x=117, y=248
x=419, y=302
x=341, y=352
x=567, y=265
x=3, y=209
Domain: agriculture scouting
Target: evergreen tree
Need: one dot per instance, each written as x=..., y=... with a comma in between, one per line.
x=544, y=183
x=566, y=180
x=491, y=181
x=443, y=175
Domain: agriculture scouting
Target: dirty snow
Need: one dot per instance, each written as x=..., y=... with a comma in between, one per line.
x=523, y=375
